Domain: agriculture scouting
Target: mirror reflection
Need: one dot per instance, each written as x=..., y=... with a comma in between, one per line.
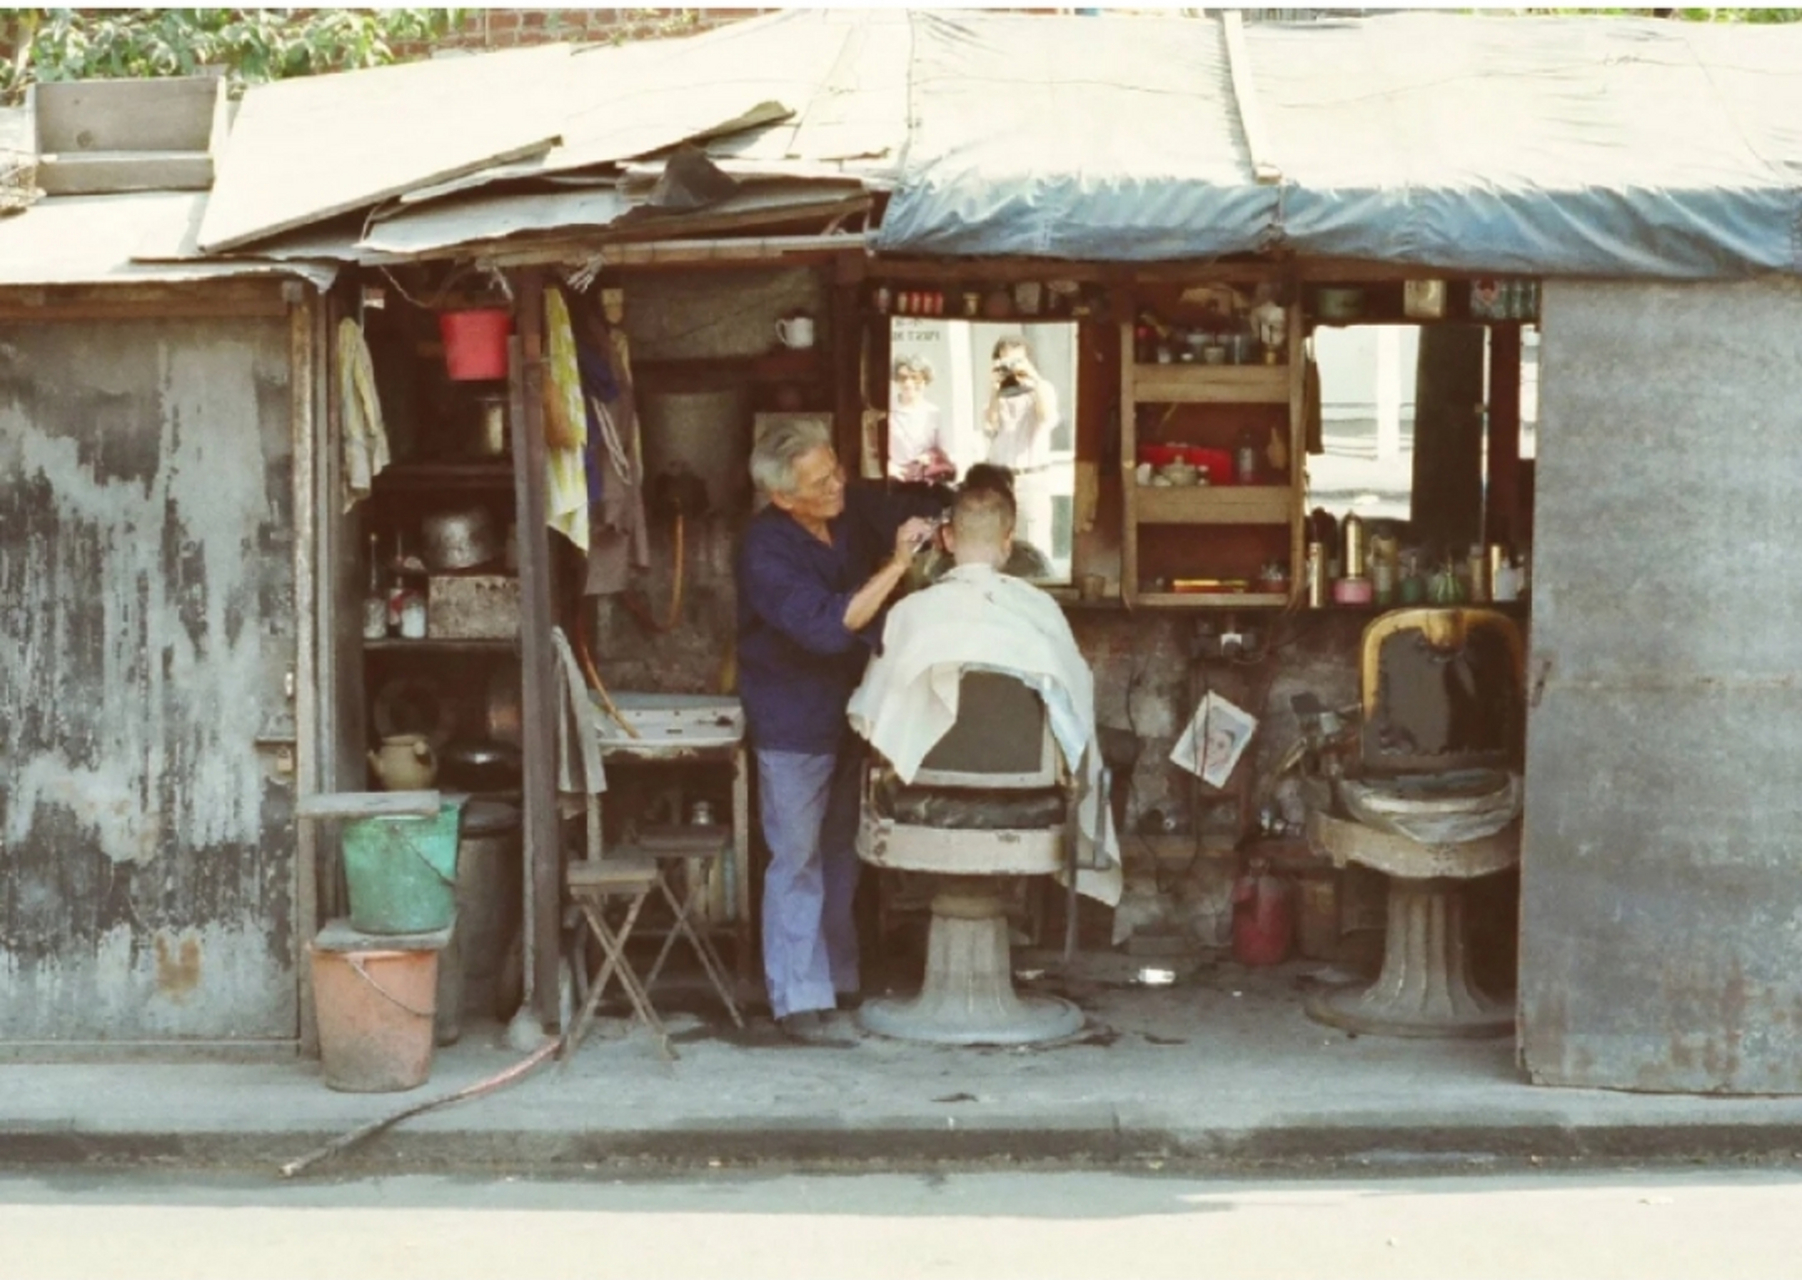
x=969, y=392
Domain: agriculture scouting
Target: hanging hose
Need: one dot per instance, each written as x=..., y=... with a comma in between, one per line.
x=594, y=677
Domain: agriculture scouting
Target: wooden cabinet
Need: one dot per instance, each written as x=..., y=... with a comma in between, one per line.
x=1210, y=545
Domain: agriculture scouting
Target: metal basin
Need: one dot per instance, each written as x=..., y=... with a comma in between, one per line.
x=671, y=723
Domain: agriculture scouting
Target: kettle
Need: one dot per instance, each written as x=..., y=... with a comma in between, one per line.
x=404, y=763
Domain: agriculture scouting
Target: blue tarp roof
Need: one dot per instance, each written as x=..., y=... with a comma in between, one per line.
x=1592, y=146
x=1600, y=146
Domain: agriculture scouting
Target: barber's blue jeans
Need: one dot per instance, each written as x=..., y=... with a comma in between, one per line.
x=809, y=805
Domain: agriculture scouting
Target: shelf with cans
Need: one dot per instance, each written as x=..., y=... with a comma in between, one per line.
x=1361, y=564
x=1211, y=394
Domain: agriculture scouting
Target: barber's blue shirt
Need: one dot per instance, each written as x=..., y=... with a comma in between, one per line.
x=797, y=662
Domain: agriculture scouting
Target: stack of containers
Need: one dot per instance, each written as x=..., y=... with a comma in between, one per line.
x=380, y=976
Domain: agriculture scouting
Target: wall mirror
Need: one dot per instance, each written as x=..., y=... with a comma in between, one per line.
x=963, y=392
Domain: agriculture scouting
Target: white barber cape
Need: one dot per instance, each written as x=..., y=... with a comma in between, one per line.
x=975, y=618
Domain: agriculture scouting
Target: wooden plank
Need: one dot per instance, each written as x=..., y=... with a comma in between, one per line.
x=1129, y=453
x=1213, y=504
x=1210, y=383
x=1203, y=600
x=369, y=804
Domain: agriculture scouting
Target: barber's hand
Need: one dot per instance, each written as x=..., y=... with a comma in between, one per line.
x=912, y=538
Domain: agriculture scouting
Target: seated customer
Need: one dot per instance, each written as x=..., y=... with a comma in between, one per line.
x=979, y=618
x=1023, y=560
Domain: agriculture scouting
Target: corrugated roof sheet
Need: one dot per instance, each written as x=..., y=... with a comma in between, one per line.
x=143, y=237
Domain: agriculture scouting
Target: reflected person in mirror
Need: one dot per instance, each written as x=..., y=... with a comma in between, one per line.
x=816, y=568
x=916, y=444
x=1021, y=414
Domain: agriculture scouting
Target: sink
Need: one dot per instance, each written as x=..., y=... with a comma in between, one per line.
x=671, y=722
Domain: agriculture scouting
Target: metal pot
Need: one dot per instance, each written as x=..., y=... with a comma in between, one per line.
x=480, y=766
x=460, y=539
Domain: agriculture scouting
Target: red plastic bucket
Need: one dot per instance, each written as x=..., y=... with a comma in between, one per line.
x=475, y=343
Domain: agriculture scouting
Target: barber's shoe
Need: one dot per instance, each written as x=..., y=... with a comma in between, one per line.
x=849, y=1001
x=814, y=1027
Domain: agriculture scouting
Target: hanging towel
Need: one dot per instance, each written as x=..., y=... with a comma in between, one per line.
x=364, y=435
x=566, y=426
x=579, y=769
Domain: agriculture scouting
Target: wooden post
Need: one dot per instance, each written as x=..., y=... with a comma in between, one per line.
x=1501, y=504
x=538, y=825
x=1448, y=438
x=306, y=688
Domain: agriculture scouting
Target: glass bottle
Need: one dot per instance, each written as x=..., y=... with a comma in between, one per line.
x=375, y=602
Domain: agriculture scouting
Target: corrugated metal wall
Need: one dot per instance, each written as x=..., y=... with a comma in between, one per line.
x=1661, y=943
x=147, y=871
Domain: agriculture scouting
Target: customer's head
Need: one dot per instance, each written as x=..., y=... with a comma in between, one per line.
x=992, y=477
x=793, y=464
x=982, y=527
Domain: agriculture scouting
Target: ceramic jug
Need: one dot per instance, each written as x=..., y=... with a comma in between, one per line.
x=404, y=763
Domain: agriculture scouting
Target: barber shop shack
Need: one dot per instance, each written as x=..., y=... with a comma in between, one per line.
x=1258, y=605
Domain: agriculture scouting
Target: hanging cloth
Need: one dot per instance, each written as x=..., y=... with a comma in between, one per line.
x=619, y=541
x=364, y=436
x=566, y=426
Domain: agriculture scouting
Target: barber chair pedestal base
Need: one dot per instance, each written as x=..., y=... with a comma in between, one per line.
x=968, y=995
x=1424, y=989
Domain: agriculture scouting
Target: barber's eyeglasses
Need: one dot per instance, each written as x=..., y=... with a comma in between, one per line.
x=824, y=484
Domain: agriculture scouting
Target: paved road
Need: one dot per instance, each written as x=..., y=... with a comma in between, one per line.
x=1646, y=1225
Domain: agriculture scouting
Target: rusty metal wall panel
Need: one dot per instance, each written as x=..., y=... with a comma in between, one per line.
x=147, y=873
x=1661, y=914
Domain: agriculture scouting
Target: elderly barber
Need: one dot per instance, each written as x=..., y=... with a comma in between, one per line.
x=816, y=567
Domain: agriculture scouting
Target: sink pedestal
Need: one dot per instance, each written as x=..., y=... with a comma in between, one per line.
x=968, y=995
x=1425, y=988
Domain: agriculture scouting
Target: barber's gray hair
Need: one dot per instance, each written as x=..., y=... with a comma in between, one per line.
x=777, y=450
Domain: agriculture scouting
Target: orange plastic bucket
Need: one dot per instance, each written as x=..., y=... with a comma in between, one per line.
x=375, y=1011
x=475, y=343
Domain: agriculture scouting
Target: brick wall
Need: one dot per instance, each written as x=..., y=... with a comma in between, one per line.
x=509, y=28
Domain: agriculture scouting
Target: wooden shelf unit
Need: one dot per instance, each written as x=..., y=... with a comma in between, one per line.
x=1214, y=530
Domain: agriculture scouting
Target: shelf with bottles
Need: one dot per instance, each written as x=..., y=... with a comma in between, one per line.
x=1210, y=406
x=1210, y=384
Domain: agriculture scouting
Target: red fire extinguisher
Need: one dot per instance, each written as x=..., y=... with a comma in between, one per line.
x=1263, y=916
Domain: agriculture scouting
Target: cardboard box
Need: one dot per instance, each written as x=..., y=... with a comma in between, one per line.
x=472, y=606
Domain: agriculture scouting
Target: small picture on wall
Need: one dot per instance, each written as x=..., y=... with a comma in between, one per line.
x=1214, y=740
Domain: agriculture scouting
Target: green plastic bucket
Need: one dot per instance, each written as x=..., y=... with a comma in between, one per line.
x=402, y=872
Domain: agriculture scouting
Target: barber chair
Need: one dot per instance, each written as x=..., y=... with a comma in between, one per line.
x=1431, y=798
x=990, y=800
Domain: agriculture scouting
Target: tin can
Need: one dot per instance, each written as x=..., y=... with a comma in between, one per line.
x=882, y=299
x=1479, y=575
x=1317, y=579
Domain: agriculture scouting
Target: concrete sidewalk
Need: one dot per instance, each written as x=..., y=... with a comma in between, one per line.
x=1220, y=1071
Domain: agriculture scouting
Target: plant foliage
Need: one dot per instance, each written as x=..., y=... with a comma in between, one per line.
x=247, y=45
